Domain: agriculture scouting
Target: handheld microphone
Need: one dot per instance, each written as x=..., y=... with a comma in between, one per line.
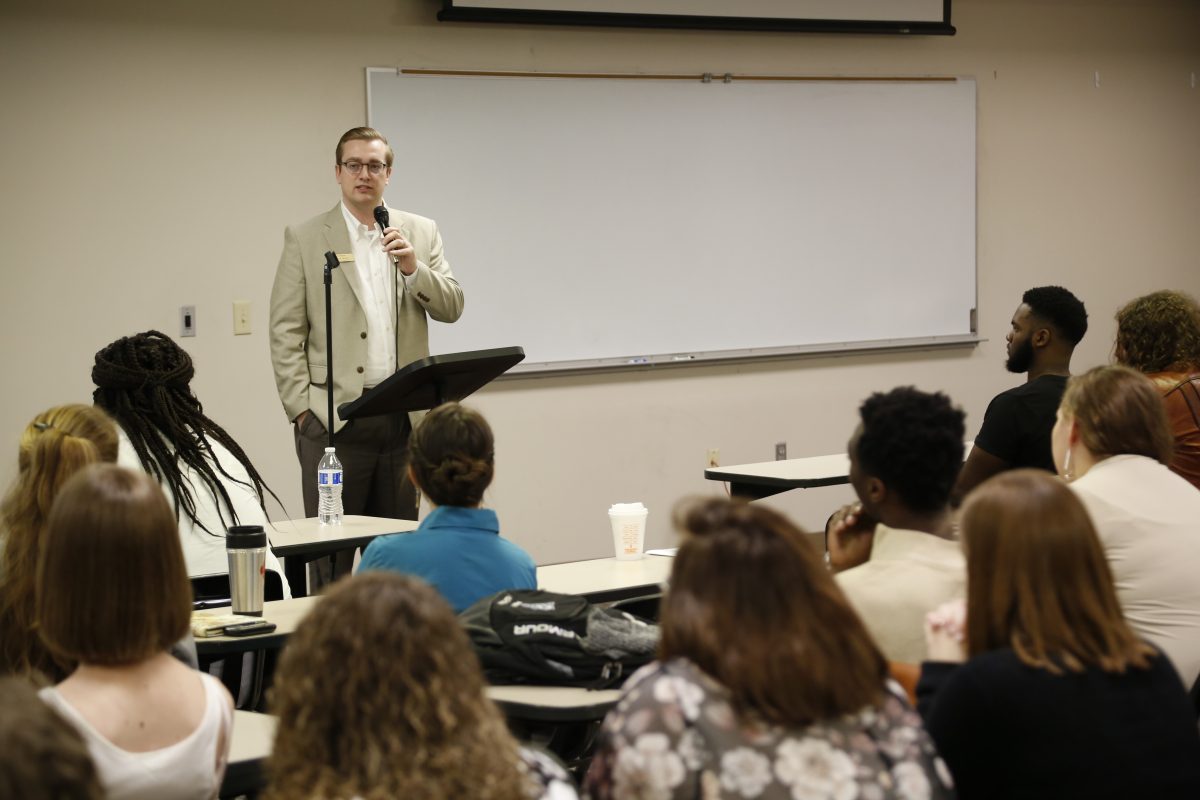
x=381, y=217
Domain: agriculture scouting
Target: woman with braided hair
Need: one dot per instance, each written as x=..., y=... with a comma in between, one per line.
x=144, y=383
x=55, y=445
x=457, y=547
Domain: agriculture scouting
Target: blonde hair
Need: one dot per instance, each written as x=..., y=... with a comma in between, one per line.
x=54, y=446
x=393, y=705
x=1038, y=580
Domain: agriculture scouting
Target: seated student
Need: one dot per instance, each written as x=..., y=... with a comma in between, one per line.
x=113, y=595
x=1159, y=334
x=393, y=705
x=55, y=445
x=767, y=684
x=1058, y=697
x=1112, y=443
x=894, y=551
x=1016, y=426
x=457, y=547
x=41, y=754
x=144, y=383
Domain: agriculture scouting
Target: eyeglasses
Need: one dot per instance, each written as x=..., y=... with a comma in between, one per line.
x=355, y=167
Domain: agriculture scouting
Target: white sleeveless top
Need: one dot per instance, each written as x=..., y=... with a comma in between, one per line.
x=185, y=770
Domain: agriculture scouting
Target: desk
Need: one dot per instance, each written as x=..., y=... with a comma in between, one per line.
x=604, y=580
x=554, y=703
x=249, y=746
x=755, y=481
x=601, y=580
x=302, y=540
x=286, y=614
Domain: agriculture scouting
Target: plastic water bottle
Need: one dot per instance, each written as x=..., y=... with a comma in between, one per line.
x=329, y=489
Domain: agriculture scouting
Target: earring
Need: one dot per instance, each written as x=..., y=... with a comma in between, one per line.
x=1066, y=469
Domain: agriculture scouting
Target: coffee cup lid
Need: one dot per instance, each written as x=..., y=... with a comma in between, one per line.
x=245, y=537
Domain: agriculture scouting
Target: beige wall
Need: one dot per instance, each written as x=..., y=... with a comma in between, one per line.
x=152, y=153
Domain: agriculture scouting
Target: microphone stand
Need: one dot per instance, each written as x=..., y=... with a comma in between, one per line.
x=331, y=263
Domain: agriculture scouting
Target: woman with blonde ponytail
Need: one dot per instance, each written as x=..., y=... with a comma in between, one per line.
x=458, y=547
x=55, y=445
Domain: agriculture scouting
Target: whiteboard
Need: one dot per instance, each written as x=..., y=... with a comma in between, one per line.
x=607, y=222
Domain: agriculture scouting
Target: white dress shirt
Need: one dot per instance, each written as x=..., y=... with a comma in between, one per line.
x=375, y=277
x=1148, y=519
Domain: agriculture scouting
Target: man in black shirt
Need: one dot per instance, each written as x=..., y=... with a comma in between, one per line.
x=1016, y=426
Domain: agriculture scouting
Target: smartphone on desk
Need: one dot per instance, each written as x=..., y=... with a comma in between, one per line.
x=249, y=628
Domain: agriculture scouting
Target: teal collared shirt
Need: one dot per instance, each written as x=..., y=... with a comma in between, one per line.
x=457, y=550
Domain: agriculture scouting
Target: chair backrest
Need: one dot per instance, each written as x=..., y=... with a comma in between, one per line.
x=644, y=607
x=212, y=591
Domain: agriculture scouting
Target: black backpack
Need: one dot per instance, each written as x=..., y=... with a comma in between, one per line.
x=531, y=636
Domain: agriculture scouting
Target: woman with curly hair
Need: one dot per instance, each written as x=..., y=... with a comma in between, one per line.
x=144, y=383
x=393, y=705
x=1159, y=334
x=1058, y=697
x=457, y=547
x=55, y=445
x=767, y=684
x=1112, y=444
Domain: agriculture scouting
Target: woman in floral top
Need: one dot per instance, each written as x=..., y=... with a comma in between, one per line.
x=768, y=685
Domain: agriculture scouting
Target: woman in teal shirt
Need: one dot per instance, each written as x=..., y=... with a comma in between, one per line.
x=457, y=547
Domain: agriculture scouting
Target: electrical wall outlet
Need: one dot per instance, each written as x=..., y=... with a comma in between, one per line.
x=241, y=317
x=713, y=458
x=781, y=451
x=187, y=320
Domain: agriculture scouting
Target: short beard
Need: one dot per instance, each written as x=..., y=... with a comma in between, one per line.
x=1021, y=359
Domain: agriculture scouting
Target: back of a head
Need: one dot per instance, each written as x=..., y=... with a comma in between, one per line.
x=54, y=447
x=452, y=453
x=1119, y=412
x=1059, y=308
x=136, y=373
x=43, y=755
x=1160, y=332
x=1038, y=580
x=144, y=382
x=912, y=441
x=391, y=706
x=111, y=535
x=751, y=604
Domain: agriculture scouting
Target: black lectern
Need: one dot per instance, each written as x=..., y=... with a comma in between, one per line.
x=429, y=382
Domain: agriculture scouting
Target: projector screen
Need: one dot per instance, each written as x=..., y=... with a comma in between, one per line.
x=894, y=16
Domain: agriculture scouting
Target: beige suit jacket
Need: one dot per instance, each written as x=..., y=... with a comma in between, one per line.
x=909, y=574
x=298, y=310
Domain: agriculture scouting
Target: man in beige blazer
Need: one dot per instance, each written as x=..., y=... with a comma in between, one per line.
x=894, y=551
x=388, y=285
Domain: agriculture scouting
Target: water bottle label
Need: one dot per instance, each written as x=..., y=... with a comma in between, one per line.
x=329, y=477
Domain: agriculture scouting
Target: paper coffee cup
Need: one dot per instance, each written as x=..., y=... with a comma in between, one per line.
x=628, y=529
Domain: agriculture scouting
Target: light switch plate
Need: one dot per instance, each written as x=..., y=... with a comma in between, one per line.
x=241, y=317
x=187, y=320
